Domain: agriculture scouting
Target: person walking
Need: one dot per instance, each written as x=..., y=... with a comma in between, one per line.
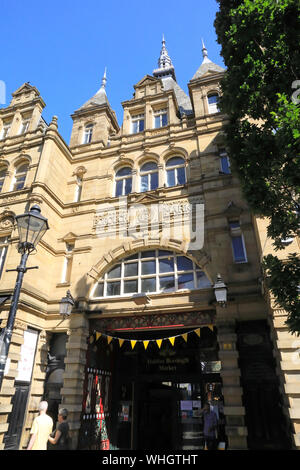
x=210, y=427
x=60, y=437
x=41, y=428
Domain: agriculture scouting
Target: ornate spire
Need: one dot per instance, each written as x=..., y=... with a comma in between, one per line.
x=165, y=66
x=104, y=80
x=204, y=53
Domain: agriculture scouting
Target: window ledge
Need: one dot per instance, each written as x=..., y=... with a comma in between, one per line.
x=63, y=284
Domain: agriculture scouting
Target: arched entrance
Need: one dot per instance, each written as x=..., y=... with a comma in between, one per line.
x=144, y=388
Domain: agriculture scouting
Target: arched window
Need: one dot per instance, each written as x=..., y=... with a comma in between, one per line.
x=149, y=176
x=20, y=176
x=88, y=132
x=2, y=177
x=213, y=99
x=152, y=271
x=175, y=171
x=123, y=181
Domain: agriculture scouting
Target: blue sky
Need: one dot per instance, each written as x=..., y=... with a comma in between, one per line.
x=62, y=47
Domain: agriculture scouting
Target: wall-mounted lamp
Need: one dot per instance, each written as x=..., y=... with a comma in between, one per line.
x=220, y=291
x=66, y=304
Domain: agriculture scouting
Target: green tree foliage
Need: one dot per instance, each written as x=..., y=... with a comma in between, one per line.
x=261, y=97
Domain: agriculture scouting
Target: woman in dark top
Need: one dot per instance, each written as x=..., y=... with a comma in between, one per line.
x=60, y=437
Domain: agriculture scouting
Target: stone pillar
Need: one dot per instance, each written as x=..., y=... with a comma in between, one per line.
x=234, y=410
x=75, y=361
x=287, y=355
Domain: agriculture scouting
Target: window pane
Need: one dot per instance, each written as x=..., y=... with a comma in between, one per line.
x=135, y=127
x=164, y=120
x=130, y=269
x=184, y=264
x=166, y=265
x=175, y=161
x=130, y=286
x=149, y=267
x=157, y=121
x=119, y=188
x=115, y=272
x=171, y=178
x=144, y=183
x=165, y=253
x=141, y=126
x=149, y=285
x=186, y=281
x=113, y=288
x=99, y=290
x=238, y=249
x=225, y=165
x=148, y=254
x=154, y=180
x=181, y=175
x=149, y=166
x=131, y=257
x=212, y=99
x=128, y=185
x=202, y=280
x=167, y=283
x=123, y=172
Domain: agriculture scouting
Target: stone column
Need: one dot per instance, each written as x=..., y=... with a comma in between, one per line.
x=287, y=355
x=75, y=361
x=234, y=410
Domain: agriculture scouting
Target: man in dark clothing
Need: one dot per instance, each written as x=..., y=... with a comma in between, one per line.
x=210, y=427
x=61, y=436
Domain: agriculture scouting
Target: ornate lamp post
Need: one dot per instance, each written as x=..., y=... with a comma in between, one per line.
x=32, y=227
x=66, y=305
x=220, y=291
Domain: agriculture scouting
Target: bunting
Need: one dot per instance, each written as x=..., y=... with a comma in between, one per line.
x=158, y=341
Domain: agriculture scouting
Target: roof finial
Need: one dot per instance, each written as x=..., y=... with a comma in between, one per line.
x=104, y=80
x=204, y=50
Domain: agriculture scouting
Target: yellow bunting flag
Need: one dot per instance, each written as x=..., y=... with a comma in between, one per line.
x=109, y=339
x=159, y=341
x=121, y=341
x=146, y=343
x=97, y=335
x=172, y=340
x=185, y=335
x=211, y=327
x=133, y=343
x=198, y=332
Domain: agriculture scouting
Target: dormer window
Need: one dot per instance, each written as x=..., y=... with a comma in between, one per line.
x=160, y=118
x=213, y=99
x=24, y=126
x=137, y=123
x=5, y=130
x=88, y=132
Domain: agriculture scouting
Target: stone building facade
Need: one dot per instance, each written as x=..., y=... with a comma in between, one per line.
x=146, y=326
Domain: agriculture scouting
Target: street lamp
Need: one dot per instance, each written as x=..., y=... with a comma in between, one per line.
x=66, y=305
x=220, y=291
x=32, y=227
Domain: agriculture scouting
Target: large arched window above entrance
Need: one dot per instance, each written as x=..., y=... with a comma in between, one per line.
x=152, y=271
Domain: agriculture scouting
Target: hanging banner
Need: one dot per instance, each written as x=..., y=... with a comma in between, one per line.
x=158, y=341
